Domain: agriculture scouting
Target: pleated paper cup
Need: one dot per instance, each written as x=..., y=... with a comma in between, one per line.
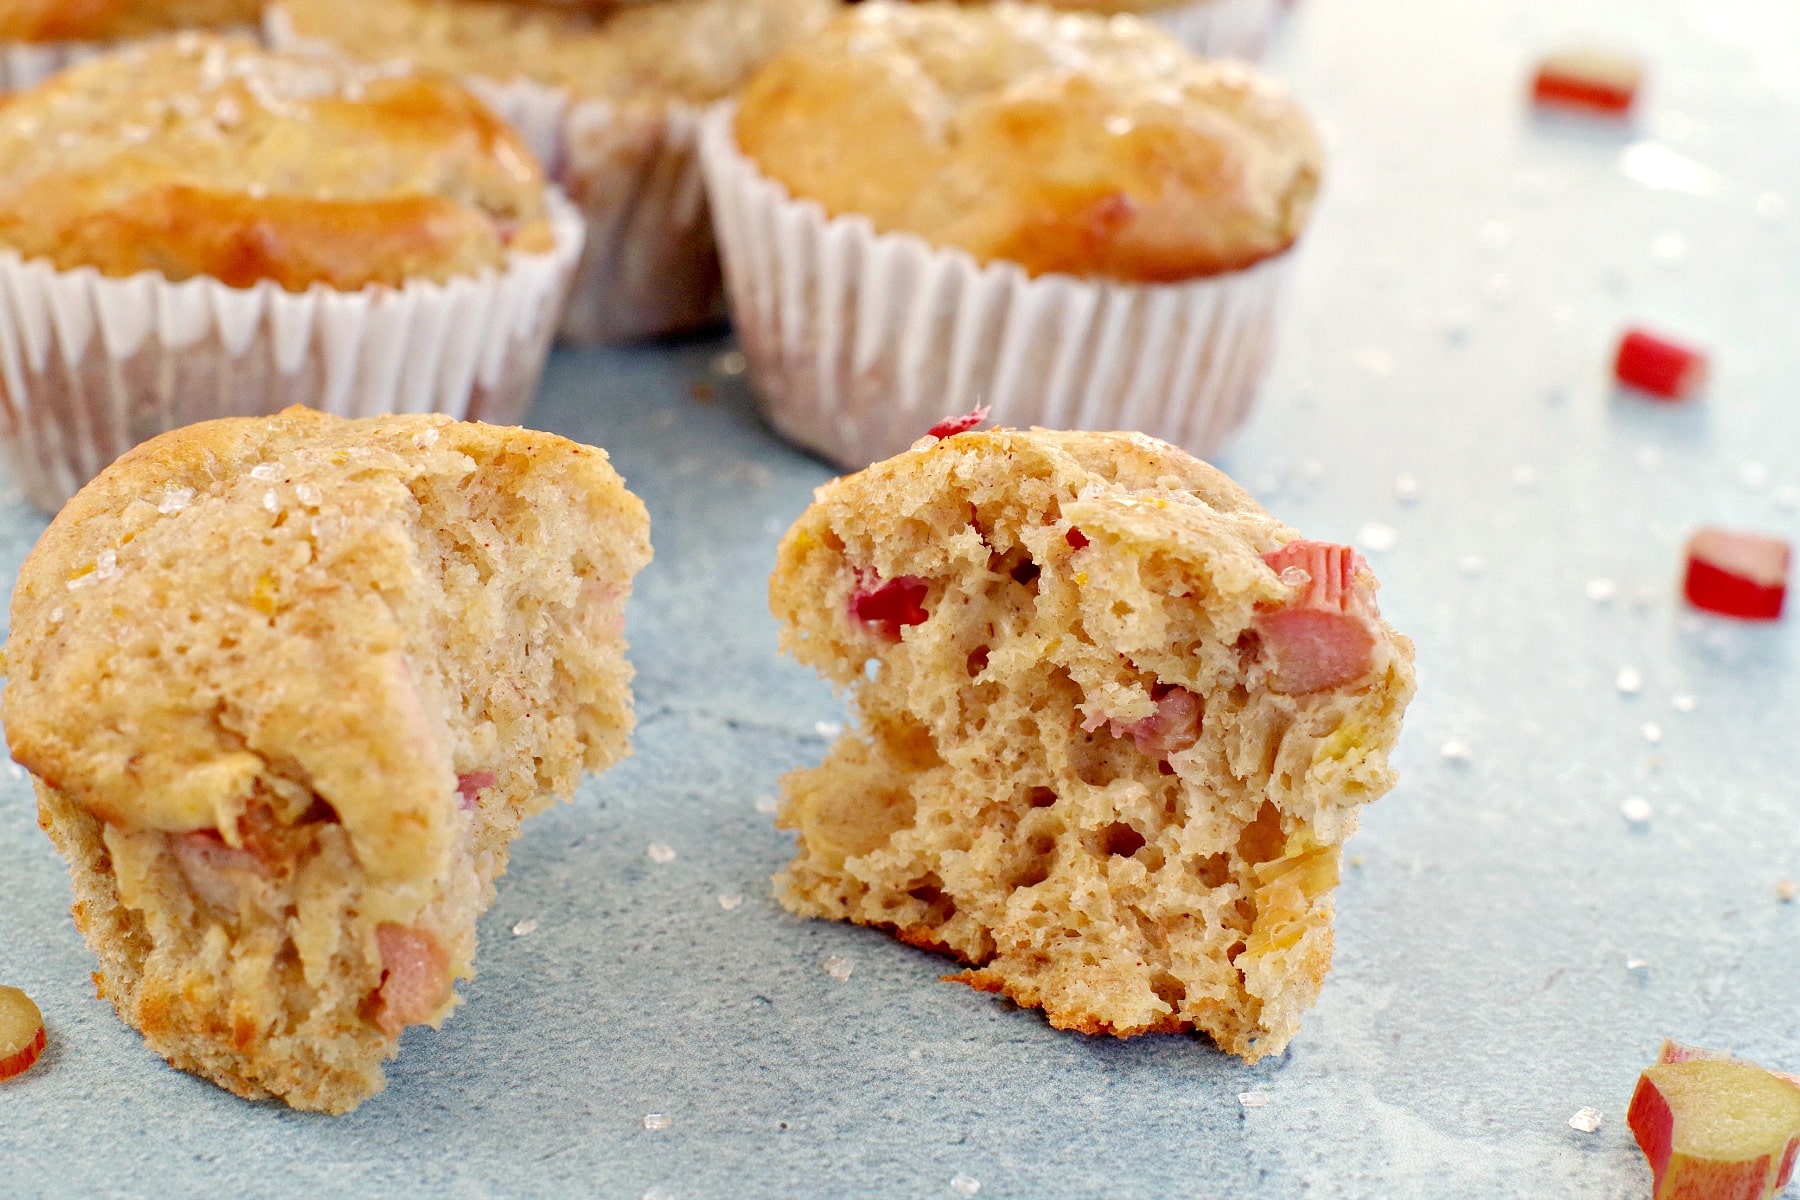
x=651, y=268
x=1221, y=28
x=91, y=365
x=27, y=64
x=858, y=341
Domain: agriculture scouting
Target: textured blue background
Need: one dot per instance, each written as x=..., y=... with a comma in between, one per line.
x=1451, y=321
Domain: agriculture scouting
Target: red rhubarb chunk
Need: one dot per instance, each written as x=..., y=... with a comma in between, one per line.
x=1075, y=537
x=415, y=977
x=951, y=426
x=892, y=605
x=469, y=787
x=1659, y=367
x=1590, y=80
x=1324, y=636
x=1737, y=574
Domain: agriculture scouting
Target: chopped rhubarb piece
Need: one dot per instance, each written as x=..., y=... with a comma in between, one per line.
x=1325, y=635
x=469, y=787
x=891, y=605
x=415, y=977
x=1715, y=1128
x=218, y=873
x=1075, y=537
x=1737, y=574
x=22, y=1037
x=951, y=426
x=1591, y=80
x=1172, y=728
x=1659, y=367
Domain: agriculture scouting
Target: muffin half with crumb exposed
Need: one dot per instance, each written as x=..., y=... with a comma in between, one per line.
x=1114, y=723
x=1214, y=28
x=196, y=228
x=287, y=687
x=1066, y=217
x=40, y=37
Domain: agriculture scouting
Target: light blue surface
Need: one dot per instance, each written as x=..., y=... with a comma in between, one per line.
x=1451, y=321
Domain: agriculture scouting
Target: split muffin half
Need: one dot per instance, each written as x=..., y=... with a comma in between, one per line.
x=1113, y=724
x=288, y=686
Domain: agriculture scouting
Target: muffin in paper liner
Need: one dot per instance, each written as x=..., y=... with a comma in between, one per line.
x=92, y=365
x=650, y=268
x=858, y=341
x=1221, y=28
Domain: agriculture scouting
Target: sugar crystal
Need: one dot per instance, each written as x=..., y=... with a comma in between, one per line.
x=1587, y=1120
x=525, y=928
x=965, y=1185
x=1253, y=1099
x=1636, y=810
x=766, y=804
x=729, y=901
x=661, y=853
x=1684, y=702
x=656, y=1121
x=838, y=967
x=1630, y=681
x=1378, y=537
x=1601, y=591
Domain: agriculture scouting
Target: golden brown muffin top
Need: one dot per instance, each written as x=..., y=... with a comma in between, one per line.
x=205, y=156
x=696, y=51
x=108, y=20
x=1059, y=141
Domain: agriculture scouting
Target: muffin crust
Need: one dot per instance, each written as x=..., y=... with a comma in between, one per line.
x=1066, y=143
x=693, y=51
x=205, y=156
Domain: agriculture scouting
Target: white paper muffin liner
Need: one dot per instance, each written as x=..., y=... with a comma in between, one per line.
x=27, y=64
x=650, y=268
x=858, y=341
x=91, y=365
x=1221, y=28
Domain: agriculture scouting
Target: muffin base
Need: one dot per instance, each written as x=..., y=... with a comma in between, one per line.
x=91, y=366
x=858, y=341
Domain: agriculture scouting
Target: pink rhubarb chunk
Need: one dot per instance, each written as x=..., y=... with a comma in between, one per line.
x=891, y=605
x=415, y=979
x=469, y=787
x=1324, y=636
x=1172, y=728
x=951, y=426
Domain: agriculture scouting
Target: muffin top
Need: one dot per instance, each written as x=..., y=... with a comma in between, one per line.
x=696, y=51
x=107, y=20
x=1059, y=141
x=204, y=156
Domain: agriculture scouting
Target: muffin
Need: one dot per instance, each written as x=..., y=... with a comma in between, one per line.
x=196, y=228
x=40, y=37
x=610, y=98
x=1113, y=724
x=1213, y=28
x=287, y=686
x=1068, y=218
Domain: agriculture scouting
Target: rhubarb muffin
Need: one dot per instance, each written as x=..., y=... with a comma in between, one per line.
x=1064, y=216
x=197, y=228
x=40, y=37
x=610, y=97
x=1113, y=723
x=287, y=687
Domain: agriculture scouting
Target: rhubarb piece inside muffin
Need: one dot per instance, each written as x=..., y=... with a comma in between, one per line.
x=1113, y=724
x=287, y=687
